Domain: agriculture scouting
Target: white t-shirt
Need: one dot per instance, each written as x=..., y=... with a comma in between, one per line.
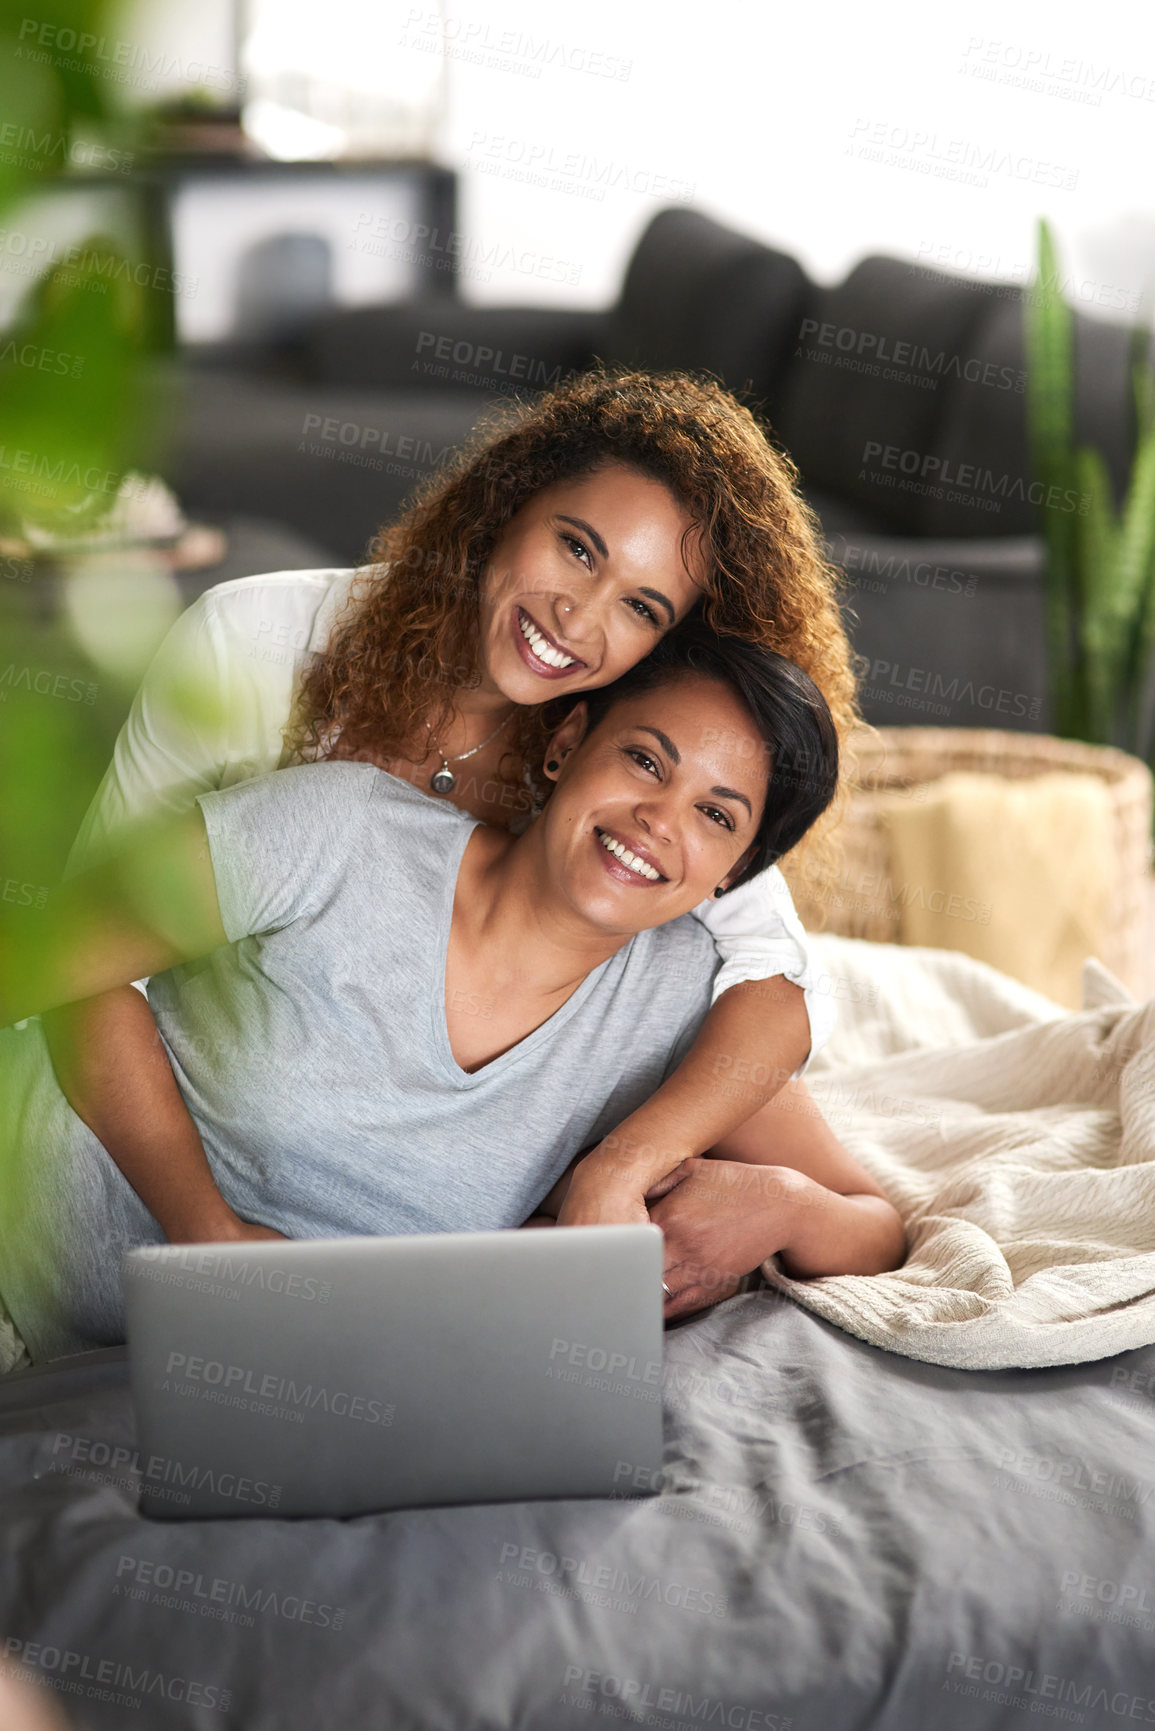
x=212, y=710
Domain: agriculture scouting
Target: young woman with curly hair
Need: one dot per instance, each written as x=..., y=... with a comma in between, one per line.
x=547, y=559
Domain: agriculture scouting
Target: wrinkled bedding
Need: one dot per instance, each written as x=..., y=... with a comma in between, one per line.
x=843, y=1537
x=1017, y=1142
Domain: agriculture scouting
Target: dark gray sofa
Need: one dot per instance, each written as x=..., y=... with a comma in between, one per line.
x=898, y=392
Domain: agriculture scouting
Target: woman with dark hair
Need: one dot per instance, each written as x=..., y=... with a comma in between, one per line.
x=387, y=1017
x=549, y=558
x=798, y=739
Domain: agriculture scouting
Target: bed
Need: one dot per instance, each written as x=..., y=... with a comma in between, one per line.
x=842, y=1537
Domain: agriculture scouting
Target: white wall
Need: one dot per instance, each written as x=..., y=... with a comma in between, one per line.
x=829, y=129
x=769, y=112
x=173, y=44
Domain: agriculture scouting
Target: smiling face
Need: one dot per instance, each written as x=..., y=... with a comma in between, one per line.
x=586, y=578
x=657, y=807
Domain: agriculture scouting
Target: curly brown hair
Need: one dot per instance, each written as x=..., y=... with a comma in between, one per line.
x=408, y=638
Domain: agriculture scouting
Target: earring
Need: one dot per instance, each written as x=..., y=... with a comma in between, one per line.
x=553, y=766
x=720, y=891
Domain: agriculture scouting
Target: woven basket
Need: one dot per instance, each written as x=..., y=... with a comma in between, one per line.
x=892, y=759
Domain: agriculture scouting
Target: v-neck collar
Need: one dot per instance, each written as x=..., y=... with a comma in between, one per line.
x=439, y=1027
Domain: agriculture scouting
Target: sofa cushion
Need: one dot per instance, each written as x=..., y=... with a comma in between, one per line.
x=950, y=632
x=839, y=517
x=702, y=297
x=334, y=464
x=452, y=345
x=873, y=361
x=982, y=436
x=983, y=483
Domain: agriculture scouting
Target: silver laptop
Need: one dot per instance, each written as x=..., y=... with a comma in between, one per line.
x=344, y=1376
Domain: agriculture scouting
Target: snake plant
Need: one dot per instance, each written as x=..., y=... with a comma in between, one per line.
x=1100, y=586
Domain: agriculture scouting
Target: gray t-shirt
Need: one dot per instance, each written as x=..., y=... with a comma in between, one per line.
x=314, y=1056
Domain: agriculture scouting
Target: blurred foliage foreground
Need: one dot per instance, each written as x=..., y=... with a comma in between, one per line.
x=83, y=598
x=74, y=427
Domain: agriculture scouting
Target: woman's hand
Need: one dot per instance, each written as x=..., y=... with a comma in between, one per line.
x=248, y=1231
x=224, y=1227
x=592, y=1201
x=757, y=1027
x=721, y=1219
x=606, y=1187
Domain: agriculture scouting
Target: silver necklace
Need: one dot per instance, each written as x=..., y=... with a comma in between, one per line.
x=443, y=780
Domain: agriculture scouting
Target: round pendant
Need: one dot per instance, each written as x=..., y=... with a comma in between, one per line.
x=443, y=780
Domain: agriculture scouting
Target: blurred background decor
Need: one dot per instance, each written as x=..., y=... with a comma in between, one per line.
x=306, y=95
x=275, y=268
x=945, y=575
x=1026, y=851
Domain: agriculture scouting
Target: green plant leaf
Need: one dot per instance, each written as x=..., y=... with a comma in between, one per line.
x=1143, y=380
x=1047, y=340
x=1135, y=551
x=1136, y=556
x=1095, y=575
x=71, y=420
x=1049, y=329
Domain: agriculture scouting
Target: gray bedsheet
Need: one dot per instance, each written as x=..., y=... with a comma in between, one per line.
x=843, y=1539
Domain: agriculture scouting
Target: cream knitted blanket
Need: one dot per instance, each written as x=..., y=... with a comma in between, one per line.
x=1016, y=1139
